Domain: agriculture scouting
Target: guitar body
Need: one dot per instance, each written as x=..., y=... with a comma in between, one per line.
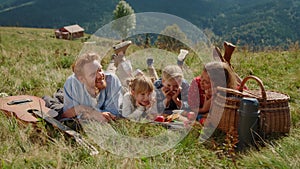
x=26, y=108
x=22, y=106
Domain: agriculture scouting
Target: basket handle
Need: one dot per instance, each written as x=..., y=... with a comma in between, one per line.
x=263, y=91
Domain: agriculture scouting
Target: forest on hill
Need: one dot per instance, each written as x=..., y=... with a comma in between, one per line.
x=264, y=23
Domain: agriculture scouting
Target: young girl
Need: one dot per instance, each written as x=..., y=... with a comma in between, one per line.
x=139, y=103
x=203, y=87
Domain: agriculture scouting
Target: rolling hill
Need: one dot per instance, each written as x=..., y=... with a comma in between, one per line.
x=246, y=22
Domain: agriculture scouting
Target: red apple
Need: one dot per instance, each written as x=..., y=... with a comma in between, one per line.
x=202, y=121
x=191, y=115
x=159, y=119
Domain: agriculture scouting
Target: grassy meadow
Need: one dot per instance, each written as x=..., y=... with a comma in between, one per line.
x=33, y=62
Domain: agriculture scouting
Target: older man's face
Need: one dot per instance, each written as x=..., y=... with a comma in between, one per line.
x=94, y=77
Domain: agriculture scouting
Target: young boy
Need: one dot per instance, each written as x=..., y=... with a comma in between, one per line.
x=171, y=90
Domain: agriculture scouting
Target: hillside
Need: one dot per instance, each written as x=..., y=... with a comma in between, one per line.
x=37, y=64
x=256, y=23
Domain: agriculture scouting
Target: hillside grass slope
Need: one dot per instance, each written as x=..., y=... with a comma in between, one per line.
x=33, y=62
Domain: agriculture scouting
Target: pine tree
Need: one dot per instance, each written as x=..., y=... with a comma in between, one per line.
x=124, y=18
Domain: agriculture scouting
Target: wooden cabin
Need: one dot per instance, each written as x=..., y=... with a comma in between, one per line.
x=69, y=32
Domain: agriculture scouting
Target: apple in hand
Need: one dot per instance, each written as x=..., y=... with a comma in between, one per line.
x=159, y=119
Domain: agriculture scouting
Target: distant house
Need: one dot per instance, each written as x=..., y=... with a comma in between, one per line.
x=69, y=32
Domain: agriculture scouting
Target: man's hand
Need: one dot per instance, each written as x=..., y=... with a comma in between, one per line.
x=85, y=113
x=108, y=116
x=94, y=115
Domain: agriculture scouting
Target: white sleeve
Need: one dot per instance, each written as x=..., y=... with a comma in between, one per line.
x=127, y=107
x=137, y=114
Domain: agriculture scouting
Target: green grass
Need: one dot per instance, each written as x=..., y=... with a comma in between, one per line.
x=33, y=62
x=31, y=58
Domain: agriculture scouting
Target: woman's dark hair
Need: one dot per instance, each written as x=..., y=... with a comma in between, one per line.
x=221, y=74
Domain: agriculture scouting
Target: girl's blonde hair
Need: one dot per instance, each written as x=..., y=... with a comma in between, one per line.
x=172, y=72
x=141, y=84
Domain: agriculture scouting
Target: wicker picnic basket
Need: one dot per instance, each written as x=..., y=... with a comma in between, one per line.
x=226, y=101
x=273, y=106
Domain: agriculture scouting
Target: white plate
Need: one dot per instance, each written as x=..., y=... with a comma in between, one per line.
x=177, y=111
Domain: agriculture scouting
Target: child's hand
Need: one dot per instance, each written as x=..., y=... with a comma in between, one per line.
x=176, y=93
x=152, y=116
x=137, y=104
x=208, y=93
x=152, y=101
x=167, y=93
x=165, y=90
x=206, y=104
x=175, y=98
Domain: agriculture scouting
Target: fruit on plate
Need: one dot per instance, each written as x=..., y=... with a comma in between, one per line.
x=160, y=119
x=191, y=115
x=202, y=120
